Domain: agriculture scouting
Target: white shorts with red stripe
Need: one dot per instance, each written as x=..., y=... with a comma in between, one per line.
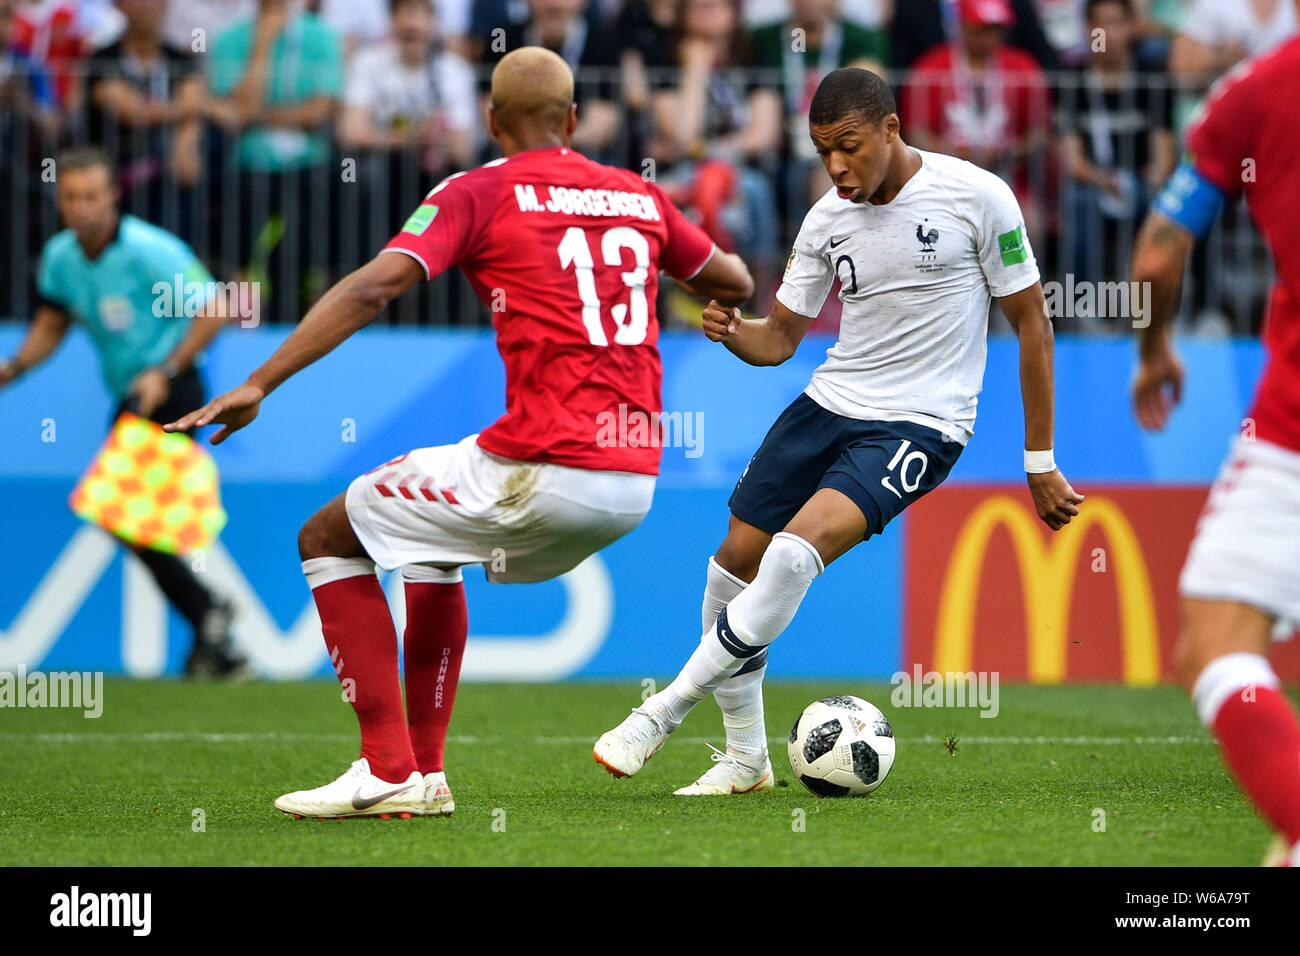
x=523, y=521
x=1247, y=544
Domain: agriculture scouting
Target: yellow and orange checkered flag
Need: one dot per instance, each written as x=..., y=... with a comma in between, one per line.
x=151, y=488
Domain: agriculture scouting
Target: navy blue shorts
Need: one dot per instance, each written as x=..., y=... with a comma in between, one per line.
x=881, y=466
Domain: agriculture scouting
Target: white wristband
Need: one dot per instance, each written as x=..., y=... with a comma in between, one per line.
x=1039, y=462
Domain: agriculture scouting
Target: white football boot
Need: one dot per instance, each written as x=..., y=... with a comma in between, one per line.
x=728, y=775
x=438, y=801
x=625, y=749
x=358, y=793
x=1281, y=853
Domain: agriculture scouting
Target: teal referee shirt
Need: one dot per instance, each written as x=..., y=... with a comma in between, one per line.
x=137, y=298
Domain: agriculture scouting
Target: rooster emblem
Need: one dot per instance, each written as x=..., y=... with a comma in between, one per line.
x=926, y=239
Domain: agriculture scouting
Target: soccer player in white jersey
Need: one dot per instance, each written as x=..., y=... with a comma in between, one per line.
x=921, y=243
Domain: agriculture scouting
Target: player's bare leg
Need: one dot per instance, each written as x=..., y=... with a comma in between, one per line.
x=1220, y=659
x=328, y=534
x=827, y=526
x=358, y=628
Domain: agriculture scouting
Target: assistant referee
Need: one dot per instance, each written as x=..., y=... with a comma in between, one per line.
x=101, y=271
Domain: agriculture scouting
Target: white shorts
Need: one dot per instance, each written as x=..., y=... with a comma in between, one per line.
x=1247, y=544
x=523, y=521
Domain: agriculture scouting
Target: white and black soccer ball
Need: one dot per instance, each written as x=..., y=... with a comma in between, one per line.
x=841, y=747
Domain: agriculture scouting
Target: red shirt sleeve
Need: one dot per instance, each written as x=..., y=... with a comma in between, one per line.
x=1221, y=135
x=443, y=229
x=688, y=247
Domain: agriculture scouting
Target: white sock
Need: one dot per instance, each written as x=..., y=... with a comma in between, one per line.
x=1225, y=676
x=320, y=571
x=427, y=573
x=721, y=587
x=740, y=697
x=751, y=621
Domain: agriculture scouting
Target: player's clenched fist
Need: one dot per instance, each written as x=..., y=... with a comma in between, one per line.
x=1054, y=500
x=234, y=409
x=720, y=320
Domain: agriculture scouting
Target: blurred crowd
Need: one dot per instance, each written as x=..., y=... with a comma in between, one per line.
x=287, y=140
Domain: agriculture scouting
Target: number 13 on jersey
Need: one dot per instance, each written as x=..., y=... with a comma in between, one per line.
x=631, y=319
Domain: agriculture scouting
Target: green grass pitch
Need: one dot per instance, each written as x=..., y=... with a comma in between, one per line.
x=1022, y=788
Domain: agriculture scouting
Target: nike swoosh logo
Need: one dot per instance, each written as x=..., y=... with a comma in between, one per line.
x=842, y=239
x=365, y=803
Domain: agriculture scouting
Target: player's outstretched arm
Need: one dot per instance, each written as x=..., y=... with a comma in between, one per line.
x=725, y=277
x=1054, y=500
x=47, y=330
x=1159, y=259
x=346, y=307
x=766, y=341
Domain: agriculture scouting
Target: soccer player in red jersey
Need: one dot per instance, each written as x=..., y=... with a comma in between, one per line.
x=567, y=253
x=1241, y=582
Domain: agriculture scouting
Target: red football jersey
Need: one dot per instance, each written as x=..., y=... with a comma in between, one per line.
x=1247, y=140
x=1005, y=102
x=566, y=254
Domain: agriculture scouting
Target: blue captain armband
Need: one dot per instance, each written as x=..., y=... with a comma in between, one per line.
x=1190, y=200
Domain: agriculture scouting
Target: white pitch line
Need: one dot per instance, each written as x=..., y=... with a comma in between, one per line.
x=1072, y=741
x=165, y=736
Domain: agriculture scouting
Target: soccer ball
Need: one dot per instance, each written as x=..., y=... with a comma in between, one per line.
x=841, y=747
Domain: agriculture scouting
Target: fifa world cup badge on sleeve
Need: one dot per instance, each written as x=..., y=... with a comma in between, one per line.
x=151, y=488
x=419, y=221
x=1012, y=246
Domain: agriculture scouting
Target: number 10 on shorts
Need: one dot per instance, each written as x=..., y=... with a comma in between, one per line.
x=909, y=474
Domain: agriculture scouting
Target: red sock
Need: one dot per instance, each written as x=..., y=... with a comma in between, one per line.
x=437, y=626
x=362, y=643
x=1260, y=740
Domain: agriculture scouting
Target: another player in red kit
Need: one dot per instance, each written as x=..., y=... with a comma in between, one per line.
x=567, y=254
x=1241, y=582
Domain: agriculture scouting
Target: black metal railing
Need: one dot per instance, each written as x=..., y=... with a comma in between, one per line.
x=301, y=229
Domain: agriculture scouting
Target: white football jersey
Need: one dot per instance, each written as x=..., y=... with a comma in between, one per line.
x=916, y=278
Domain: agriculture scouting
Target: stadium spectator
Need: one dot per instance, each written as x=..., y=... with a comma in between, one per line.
x=646, y=32
x=365, y=22
x=984, y=101
x=566, y=27
x=408, y=110
x=800, y=50
x=26, y=96
x=1117, y=145
x=48, y=35
x=920, y=25
x=277, y=79
x=193, y=24
x=716, y=130
x=145, y=109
